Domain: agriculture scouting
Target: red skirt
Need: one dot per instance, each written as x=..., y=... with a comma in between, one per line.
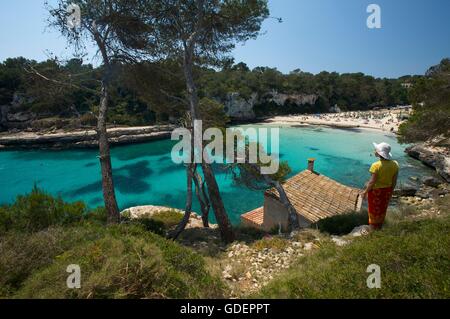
x=378, y=204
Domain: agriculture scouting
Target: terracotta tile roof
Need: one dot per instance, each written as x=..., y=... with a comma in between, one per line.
x=254, y=218
x=316, y=196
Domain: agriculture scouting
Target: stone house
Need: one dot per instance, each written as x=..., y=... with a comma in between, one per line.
x=313, y=196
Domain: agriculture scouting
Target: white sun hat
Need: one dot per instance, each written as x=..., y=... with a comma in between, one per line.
x=384, y=150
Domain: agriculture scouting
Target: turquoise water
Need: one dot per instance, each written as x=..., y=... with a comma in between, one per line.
x=145, y=174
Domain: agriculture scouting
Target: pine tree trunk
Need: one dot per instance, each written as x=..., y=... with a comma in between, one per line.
x=188, y=208
x=109, y=195
x=293, y=222
x=202, y=198
x=293, y=217
x=225, y=228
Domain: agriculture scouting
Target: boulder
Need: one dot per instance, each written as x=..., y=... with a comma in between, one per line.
x=20, y=117
x=406, y=191
x=360, y=231
x=425, y=192
x=195, y=221
x=437, y=157
x=431, y=181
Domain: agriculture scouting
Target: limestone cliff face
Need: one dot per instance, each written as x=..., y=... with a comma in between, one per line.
x=434, y=153
x=298, y=99
x=240, y=108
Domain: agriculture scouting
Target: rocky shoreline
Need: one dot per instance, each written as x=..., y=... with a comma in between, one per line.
x=58, y=140
x=435, y=154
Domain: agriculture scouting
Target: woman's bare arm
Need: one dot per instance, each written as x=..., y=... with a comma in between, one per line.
x=394, y=181
x=370, y=184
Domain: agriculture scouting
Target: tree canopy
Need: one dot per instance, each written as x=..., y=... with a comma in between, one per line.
x=431, y=105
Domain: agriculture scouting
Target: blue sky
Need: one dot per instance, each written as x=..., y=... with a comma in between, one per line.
x=315, y=35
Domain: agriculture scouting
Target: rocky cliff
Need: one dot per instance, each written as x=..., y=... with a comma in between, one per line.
x=434, y=153
x=240, y=108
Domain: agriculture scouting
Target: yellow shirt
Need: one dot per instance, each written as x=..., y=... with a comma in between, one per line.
x=385, y=171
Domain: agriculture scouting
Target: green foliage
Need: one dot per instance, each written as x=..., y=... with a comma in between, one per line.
x=37, y=211
x=249, y=234
x=22, y=253
x=342, y=224
x=117, y=262
x=354, y=91
x=413, y=256
x=169, y=218
x=151, y=225
x=431, y=101
x=212, y=113
x=41, y=235
x=12, y=78
x=159, y=223
x=146, y=93
x=98, y=215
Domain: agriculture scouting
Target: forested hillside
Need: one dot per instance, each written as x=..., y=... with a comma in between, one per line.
x=147, y=93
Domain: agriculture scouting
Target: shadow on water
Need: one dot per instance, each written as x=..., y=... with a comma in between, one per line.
x=97, y=201
x=349, y=129
x=131, y=152
x=139, y=170
x=124, y=184
x=165, y=159
x=171, y=169
x=344, y=169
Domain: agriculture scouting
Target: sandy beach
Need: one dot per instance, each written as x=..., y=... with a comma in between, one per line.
x=384, y=120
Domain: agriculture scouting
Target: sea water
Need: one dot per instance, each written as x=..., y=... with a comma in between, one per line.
x=144, y=174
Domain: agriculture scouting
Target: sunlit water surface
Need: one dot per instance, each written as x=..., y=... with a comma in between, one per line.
x=145, y=174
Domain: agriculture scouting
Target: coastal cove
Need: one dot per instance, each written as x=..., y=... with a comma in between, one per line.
x=145, y=174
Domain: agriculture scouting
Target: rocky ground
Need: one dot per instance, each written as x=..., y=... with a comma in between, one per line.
x=195, y=221
x=59, y=139
x=246, y=268
x=247, y=265
x=251, y=262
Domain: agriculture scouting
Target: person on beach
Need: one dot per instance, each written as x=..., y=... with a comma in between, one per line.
x=381, y=185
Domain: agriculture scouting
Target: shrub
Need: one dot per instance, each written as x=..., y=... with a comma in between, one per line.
x=21, y=254
x=158, y=223
x=88, y=119
x=249, y=233
x=169, y=218
x=38, y=210
x=413, y=256
x=342, y=224
x=98, y=215
x=124, y=261
x=275, y=243
x=151, y=225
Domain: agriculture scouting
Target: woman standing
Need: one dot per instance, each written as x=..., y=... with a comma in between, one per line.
x=381, y=185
